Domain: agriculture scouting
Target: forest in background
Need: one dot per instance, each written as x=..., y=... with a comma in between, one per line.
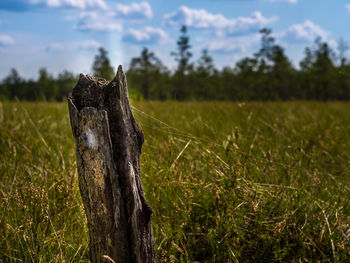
x=268, y=75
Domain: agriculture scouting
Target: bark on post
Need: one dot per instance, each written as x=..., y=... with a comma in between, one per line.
x=108, y=147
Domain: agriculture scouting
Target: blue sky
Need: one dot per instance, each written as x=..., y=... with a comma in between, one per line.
x=65, y=34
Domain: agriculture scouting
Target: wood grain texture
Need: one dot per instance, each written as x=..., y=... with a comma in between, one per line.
x=108, y=147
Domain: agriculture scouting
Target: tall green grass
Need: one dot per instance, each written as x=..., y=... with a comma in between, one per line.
x=228, y=182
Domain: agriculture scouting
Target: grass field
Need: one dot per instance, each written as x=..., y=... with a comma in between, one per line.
x=228, y=182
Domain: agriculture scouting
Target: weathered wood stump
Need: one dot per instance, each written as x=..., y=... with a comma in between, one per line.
x=108, y=147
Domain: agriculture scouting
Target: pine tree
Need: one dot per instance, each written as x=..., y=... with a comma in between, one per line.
x=102, y=67
x=204, y=84
x=144, y=66
x=206, y=64
x=182, y=56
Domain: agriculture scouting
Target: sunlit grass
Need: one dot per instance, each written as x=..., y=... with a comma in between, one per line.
x=228, y=182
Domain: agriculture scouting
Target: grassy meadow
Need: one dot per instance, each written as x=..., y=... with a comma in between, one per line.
x=228, y=182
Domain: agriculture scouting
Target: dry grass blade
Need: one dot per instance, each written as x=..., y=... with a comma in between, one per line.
x=179, y=155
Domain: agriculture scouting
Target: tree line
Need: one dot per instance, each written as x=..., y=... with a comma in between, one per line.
x=267, y=75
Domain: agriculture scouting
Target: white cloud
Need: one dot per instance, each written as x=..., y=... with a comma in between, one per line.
x=241, y=44
x=111, y=20
x=94, y=21
x=63, y=47
x=304, y=33
x=140, y=10
x=147, y=35
x=308, y=31
x=288, y=1
x=348, y=7
x=202, y=19
x=333, y=43
x=6, y=40
x=78, y=4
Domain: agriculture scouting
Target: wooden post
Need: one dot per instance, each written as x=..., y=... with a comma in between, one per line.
x=1, y=113
x=108, y=147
